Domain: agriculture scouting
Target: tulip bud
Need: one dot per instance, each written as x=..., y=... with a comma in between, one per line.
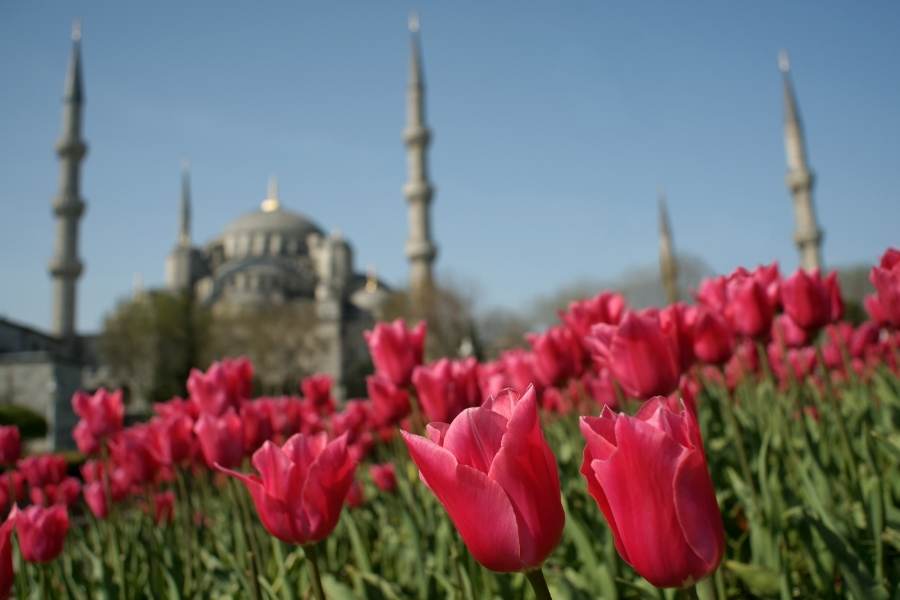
x=497, y=478
x=41, y=531
x=649, y=477
x=396, y=350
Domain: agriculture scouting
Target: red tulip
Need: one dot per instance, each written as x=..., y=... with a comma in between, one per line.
x=43, y=469
x=558, y=355
x=317, y=391
x=221, y=439
x=520, y=369
x=396, y=350
x=497, y=478
x=170, y=440
x=103, y=412
x=66, y=492
x=384, y=477
x=606, y=307
x=748, y=309
x=95, y=498
x=130, y=451
x=390, y=403
x=649, y=477
x=446, y=387
x=794, y=362
x=642, y=358
x=226, y=384
x=674, y=320
x=6, y=558
x=11, y=482
x=713, y=341
x=10, y=445
x=86, y=441
x=713, y=293
x=788, y=333
x=769, y=278
x=42, y=531
x=257, y=426
x=811, y=301
x=886, y=279
x=301, y=486
x=355, y=496
x=601, y=388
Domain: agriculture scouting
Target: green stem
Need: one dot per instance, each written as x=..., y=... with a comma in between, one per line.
x=312, y=557
x=538, y=584
x=705, y=589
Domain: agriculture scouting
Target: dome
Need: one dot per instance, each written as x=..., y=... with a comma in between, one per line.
x=275, y=220
x=269, y=231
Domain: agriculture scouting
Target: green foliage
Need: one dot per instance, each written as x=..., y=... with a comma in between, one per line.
x=31, y=424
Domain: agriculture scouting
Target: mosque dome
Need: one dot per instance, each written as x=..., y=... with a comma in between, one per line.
x=271, y=230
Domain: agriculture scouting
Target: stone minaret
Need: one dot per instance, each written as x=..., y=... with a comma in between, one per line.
x=68, y=206
x=181, y=262
x=420, y=249
x=800, y=178
x=668, y=264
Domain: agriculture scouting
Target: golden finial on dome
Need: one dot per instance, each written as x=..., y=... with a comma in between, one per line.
x=371, y=279
x=271, y=203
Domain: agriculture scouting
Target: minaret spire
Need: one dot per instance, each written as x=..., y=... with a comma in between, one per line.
x=68, y=206
x=668, y=265
x=799, y=178
x=420, y=249
x=184, y=229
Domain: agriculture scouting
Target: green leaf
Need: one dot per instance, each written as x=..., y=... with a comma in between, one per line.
x=762, y=581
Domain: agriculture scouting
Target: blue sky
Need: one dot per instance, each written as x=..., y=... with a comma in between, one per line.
x=554, y=124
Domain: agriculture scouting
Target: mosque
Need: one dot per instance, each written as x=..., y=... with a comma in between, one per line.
x=273, y=256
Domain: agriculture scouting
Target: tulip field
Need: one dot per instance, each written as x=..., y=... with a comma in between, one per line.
x=744, y=445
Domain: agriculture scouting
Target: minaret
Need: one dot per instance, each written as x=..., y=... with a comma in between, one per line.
x=184, y=221
x=668, y=265
x=181, y=262
x=800, y=178
x=420, y=249
x=68, y=206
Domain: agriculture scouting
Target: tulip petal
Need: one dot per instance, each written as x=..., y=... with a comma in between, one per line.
x=474, y=437
x=272, y=512
x=274, y=467
x=304, y=449
x=468, y=495
x=327, y=482
x=526, y=470
x=698, y=512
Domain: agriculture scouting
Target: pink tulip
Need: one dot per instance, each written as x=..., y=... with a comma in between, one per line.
x=788, y=333
x=221, y=439
x=558, y=355
x=649, y=477
x=7, y=576
x=748, y=308
x=10, y=445
x=103, y=412
x=641, y=356
x=396, y=350
x=317, y=391
x=41, y=531
x=384, y=477
x=497, y=478
x=43, y=469
x=446, y=387
x=606, y=307
x=170, y=440
x=886, y=279
x=163, y=507
x=811, y=301
x=712, y=338
x=301, y=486
x=95, y=498
x=390, y=403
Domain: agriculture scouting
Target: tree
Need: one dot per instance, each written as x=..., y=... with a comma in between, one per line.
x=150, y=342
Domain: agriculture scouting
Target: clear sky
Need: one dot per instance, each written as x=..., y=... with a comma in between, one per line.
x=554, y=123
